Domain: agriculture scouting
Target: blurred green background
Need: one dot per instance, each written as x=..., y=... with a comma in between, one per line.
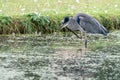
x=47, y=7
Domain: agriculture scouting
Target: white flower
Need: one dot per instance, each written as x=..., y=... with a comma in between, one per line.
x=0, y=10
x=35, y=0
x=94, y=7
x=59, y=1
x=116, y=5
x=56, y=12
x=78, y=1
x=72, y=7
x=106, y=11
x=23, y=9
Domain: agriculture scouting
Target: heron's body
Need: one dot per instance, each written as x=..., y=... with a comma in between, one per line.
x=84, y=22
x=90, y=24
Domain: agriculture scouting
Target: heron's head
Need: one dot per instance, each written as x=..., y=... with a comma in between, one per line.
x=64, y=22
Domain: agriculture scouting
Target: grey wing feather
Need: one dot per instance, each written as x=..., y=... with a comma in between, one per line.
x=73, y=25
x=100, y=25
x=102, y=29
x=91, y=25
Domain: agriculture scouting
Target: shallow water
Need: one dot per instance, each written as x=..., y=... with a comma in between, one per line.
x=54, y=56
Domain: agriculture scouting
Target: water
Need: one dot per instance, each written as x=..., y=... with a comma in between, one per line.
x=53, y=56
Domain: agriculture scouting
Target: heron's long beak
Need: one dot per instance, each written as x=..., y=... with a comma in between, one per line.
x=64, y=25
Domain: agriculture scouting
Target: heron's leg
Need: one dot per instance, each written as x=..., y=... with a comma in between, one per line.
x=86, y=41
x=81, y=34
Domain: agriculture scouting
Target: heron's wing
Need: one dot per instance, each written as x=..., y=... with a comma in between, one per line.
x=73, y=25
x=104, y=28
x=91, y=25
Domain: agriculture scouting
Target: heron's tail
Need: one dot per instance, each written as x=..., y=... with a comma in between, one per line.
x=104, y=30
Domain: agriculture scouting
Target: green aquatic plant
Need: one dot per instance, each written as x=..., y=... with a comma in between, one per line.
x=5, y=24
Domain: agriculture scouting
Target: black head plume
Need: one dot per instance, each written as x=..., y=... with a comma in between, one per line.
x=65, y=20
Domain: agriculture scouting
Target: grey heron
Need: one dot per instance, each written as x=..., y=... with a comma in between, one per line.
x=85, y=24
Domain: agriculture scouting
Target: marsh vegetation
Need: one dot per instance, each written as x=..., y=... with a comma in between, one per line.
x=32, y=46
x=59, y=56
